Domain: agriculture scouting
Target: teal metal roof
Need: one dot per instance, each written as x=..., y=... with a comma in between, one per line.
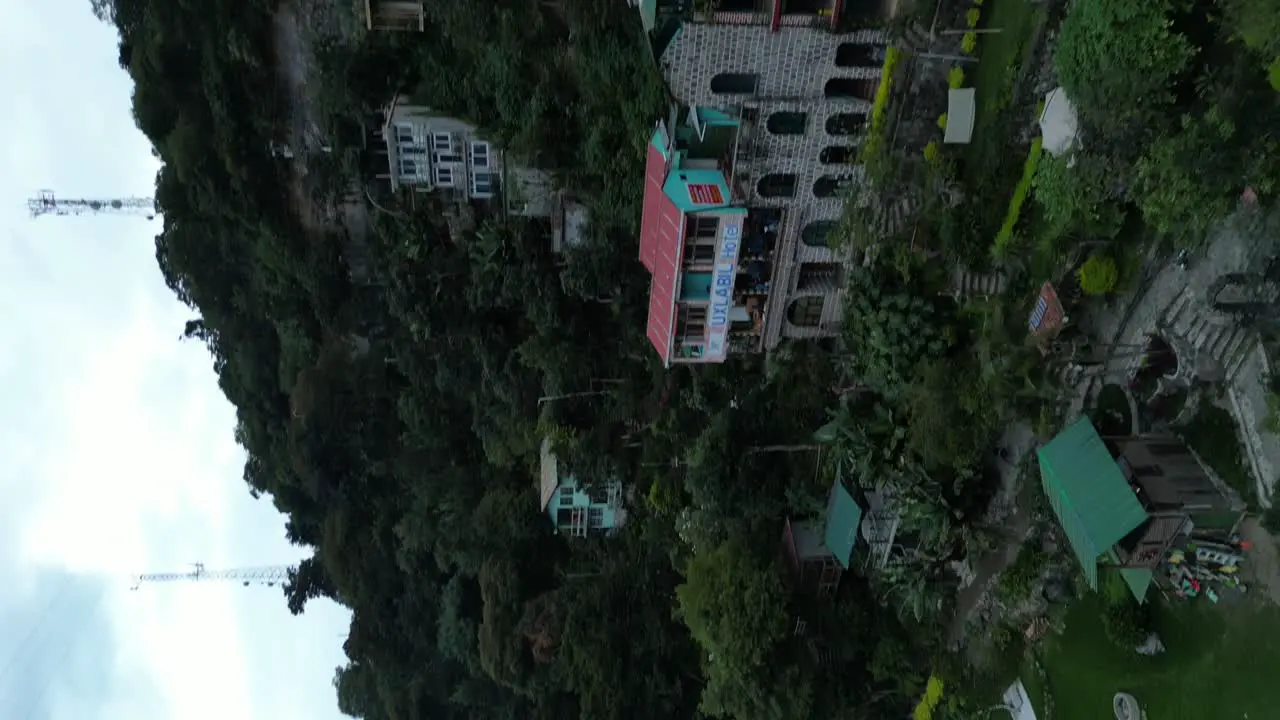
x=1088, y=493
x=843, y=516
x=1138, y=580
x=649, y=14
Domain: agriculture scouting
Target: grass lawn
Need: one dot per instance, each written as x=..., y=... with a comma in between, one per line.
x=1219, y=663
x=999, y=57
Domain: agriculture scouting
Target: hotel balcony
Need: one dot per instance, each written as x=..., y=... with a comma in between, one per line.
x=724, y=140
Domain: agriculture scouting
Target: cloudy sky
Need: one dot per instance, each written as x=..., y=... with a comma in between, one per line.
x=116, y=450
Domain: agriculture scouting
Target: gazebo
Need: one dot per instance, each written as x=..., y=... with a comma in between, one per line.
x=1059, y=125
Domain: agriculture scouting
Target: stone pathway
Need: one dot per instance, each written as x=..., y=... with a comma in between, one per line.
x=1175, y=304
x=1262, y=566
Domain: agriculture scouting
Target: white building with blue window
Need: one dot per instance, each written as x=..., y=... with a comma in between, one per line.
x=427, y=152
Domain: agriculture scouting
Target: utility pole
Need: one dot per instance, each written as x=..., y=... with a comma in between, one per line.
x=584, y=393
x=47, y=203
x=267, y=575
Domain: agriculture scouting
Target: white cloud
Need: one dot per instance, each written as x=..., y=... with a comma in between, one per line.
x=116, y=449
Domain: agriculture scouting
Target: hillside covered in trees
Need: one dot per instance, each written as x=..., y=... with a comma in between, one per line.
x=396, y=421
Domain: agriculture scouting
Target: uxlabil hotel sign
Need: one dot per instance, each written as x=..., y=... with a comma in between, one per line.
x=722, y=288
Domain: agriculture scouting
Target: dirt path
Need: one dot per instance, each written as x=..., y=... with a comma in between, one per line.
x=989, y=567
x=1262, y=566
x=1018, y=440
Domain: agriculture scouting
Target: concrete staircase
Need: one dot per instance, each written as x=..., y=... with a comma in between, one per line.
x=1213, y=337
x=967, y=284
x=890, y=218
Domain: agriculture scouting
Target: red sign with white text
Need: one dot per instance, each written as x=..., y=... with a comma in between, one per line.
x=705, y=194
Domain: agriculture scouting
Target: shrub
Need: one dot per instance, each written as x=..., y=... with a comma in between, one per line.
x=873, y=155
x=1257, y=22
x=933, y=691
x=1074, y=194
x=1098, y=275
x=932, y=153
x=1017, y=579
x=955, y=78
x=1019, y=197
x=969, y=43
x=880, y=106
x=1126, y=622
x=942, y=121
x=1273, y=73
x=972, y=16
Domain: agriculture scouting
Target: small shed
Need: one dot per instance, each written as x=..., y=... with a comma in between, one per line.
x=961, y=110
x=1088, y=493
x=843, y=518
x=818, y=551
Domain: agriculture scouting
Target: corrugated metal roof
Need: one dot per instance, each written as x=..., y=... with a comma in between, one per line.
x=661, y=246
x=1088, y=493
x=843, y=517
x=649, y=14
x=548, y=475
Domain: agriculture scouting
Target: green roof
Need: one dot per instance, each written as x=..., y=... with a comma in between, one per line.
x=1138, y=580
x=649, y=14
x=1088, y=493
x=843, y=517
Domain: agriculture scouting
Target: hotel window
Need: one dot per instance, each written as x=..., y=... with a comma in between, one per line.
x=566, y=495
x=691, y=323
x=482, y=185
x=700, y=240
x=408, y=168
x=595, y=518
x=404, y=134
x=442, y=142
x=735, y=83
x=480, y=154
x=444, y=176
x=702, y=227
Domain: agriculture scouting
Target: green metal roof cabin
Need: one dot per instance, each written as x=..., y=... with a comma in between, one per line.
x=1089, y=494
x=843, y=517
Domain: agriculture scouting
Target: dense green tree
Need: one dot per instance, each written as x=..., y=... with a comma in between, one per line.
x=892, y=323
x=1119, y=62
x=736, y=608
